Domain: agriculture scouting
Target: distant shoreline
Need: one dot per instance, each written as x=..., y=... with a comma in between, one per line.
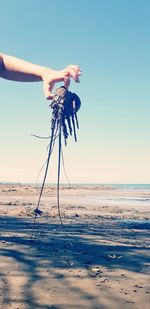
x=123, y=186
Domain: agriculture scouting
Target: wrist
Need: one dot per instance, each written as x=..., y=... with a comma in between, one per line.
x=45, y=72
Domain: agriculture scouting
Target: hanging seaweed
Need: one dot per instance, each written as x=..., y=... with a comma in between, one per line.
x=65, y=106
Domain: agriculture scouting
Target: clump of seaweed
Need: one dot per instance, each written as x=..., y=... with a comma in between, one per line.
x=65, y=106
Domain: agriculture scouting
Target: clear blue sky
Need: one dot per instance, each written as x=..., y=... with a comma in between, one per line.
x=110, y=40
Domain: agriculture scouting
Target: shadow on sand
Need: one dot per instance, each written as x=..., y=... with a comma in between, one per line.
x=45, y=268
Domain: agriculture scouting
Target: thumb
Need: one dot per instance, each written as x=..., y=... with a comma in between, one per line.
x=67, y=82
x=48, y=90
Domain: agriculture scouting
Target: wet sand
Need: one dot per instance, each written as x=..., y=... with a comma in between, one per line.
x=101, y=260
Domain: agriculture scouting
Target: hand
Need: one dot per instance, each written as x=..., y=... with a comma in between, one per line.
x=50, y=77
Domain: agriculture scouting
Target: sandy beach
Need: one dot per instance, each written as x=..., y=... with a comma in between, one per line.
x=100, y=260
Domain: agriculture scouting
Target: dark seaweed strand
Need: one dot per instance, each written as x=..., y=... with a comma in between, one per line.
x=54, y=139
x=74, y=128
x=46, y=170
x=65, y=132
x=77, y=122
x=58, y=174
x=63, y=162
x=53, y=127
x=36, y=210
x=58, y=178
x=60, y=122
x=41, y=137
x=39, y=212
x=69, y=125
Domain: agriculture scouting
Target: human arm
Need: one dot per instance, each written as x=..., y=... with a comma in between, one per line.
x=19, y=70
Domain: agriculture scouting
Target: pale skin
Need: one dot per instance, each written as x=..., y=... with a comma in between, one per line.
x=19, y=70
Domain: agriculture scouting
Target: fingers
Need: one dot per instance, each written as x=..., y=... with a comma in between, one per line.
x=52, y=77
x=48, y=90
x=73, y=71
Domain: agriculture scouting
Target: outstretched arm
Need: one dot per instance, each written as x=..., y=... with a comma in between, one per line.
x=16, y=69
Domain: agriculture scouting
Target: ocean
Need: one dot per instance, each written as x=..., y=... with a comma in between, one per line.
x=122, y=186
